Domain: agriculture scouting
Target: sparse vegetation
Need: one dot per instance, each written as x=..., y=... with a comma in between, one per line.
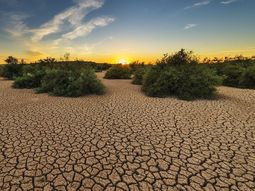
x=118, y=72
x=12, y=69
x=1, y=70
x=69, y=79
x=70, y=83
x=29, y=80
x=236, y=72
x=139, y=75
x=136, y=65
x=232, y=75
x=180, y=75
x=247, y=79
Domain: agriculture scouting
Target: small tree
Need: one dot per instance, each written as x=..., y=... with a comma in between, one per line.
x=47, y=60
x=67, y=56
x=11, y=60
x=12, y=69
x=179, y=58
x=118, y=72
x=180, y=75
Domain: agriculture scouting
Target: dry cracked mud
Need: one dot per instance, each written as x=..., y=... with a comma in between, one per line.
x=124, y=140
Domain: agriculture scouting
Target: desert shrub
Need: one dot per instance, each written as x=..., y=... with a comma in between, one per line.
x=247, y=79
x=77, y=65
x=180, y=75
x=12, y=71
x=1, y=70
x=30, y=68
x=232, y=75
x=29, y=80
x=160, y=83
x=136, y=65
x=236, y=72
x=138, y=76
x=70, y=83
x=179, y=58
x=31, y=77
x=118, y=72
x=197, y=82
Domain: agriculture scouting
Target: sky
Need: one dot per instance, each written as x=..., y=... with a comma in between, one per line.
x=125, y=30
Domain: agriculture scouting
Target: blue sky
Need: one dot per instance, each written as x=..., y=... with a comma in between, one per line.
x=110, y=30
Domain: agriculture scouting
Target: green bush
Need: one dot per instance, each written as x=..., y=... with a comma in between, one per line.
x=197, y=82
x=12, y=71
x=160, y=83
x=232, y=75
x=136, y=65
x=138, y=76
x=70, y=83
x=1, y=70
x=118, y=72
x=29, y=80
x=179, y=58
x=247, y=79
x=182, y=77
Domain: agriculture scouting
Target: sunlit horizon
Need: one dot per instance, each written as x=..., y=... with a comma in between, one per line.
x=113, y=31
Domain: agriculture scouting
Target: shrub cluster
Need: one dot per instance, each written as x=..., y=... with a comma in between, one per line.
x=118, y=72
x=70, y=83
x=236, y=75
x=1, y=69
x=237, y=72
x=139, y=75
x=58, y=81
x=11, y=71
x=29, y=80
x=136, y=65
x=232, y=75
x=180, y=75
x=248, y=78
x=69, y=79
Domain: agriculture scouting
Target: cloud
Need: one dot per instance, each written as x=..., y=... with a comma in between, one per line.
x=87, y=28
x=33, y=53
x=66, y=26
x=250, y=49
x=15, y=24
x=228, y=2
x=73, y=15
x=189, y=26
x=199, y=4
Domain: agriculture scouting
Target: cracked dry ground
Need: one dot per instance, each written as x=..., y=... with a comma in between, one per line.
x=124, y=140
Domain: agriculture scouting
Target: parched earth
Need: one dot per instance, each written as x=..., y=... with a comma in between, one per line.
x=124, y=140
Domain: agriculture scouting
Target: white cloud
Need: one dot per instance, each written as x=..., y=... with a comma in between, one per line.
x=250, y=49
x=199, y=4
x=228, y=2
x=189, y=26
x=16, y=26
x=66, y=26
x=87, y=28
x=73, y=15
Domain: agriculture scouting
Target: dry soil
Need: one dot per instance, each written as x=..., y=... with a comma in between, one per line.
x=124, y=140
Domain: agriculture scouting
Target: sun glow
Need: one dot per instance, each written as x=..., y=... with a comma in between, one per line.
x=123, y=61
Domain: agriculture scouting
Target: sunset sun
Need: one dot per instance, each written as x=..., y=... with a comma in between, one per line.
x=123, y=61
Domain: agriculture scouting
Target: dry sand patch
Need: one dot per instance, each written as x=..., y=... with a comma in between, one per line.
x=126, y=140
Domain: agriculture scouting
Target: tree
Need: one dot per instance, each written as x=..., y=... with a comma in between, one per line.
x=22, y=61
x=179, y=58
x=67, y=56
x=48, y=60
x=11, y=60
